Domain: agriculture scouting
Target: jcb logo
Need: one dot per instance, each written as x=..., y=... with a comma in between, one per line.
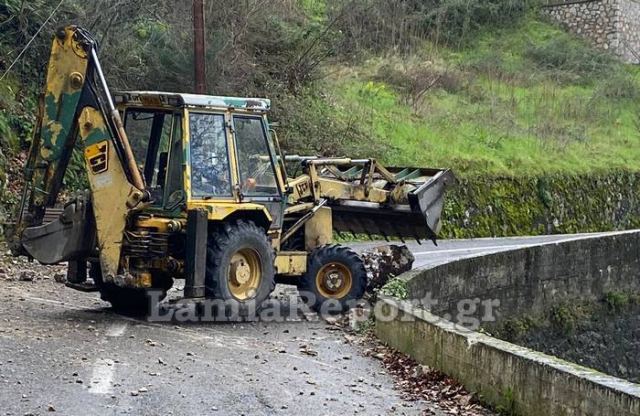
x=97, y=156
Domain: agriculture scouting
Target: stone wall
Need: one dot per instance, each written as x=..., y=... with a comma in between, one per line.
x=552, y=204
x=612, y=25
x=629, y=29
x=526, y=281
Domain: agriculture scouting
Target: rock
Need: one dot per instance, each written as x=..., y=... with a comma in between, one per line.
x=27, y=276
x=7, y=277
x=420, y=370
x=50, y=408
x=307, y=351
x=386, y=262
x=60, y=277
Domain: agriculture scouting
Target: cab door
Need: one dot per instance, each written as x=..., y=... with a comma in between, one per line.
x=258, y=179
x=151, y=133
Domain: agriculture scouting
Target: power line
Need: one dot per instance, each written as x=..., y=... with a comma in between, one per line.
x=15, y=61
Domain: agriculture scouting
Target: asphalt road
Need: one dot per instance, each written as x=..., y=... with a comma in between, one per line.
x=67, y=352
x=428, y=255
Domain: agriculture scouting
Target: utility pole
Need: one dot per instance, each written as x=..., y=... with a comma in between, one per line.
x=199, y=58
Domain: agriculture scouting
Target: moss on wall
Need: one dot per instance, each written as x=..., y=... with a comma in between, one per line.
x=554, y=204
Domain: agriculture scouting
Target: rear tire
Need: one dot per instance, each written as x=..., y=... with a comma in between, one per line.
x=240, y=268
x=334, y=274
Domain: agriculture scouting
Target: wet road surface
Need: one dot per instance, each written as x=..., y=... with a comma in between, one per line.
x=66, y=351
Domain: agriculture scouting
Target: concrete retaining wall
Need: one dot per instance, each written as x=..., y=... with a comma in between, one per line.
x=529, y=280
x=513, y=378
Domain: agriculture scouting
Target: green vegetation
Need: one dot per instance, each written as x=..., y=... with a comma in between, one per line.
x=514, y=105
x=519, y=101
x=567, y=317
x=485, y=206
x=507, y=406
x=618, y=301
x=396, y=288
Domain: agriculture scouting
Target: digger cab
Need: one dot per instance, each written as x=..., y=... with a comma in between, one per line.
x=206, y=151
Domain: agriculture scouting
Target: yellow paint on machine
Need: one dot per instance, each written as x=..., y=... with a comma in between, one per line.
x=219, y=210
x=67, y=62
x=110, y=193
x=319, y=229
x=291, y=263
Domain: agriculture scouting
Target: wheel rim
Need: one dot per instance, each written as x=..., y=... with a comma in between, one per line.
x=245, y=274
x=334, y=280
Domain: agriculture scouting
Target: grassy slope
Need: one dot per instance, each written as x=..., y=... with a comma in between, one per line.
x=510, y=116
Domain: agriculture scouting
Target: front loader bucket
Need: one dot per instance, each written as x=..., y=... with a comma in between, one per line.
x=414, y=213
x=428, y=200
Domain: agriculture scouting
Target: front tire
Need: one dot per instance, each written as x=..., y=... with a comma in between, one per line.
x=334, y=274
x=240, y=268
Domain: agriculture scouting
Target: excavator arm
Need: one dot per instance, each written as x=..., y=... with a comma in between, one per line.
x=77, y=105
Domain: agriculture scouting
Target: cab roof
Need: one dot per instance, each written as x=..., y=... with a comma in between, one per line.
x=173, y=100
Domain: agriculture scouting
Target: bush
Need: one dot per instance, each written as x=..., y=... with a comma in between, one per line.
x=413, y=82
x=570, y=60
x=456, y=22
x=380, y=25
x=312, y=124
x=620, y=86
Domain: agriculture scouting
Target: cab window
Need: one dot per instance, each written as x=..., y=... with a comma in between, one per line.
x=174, y=193
x=255, y=161
x=209, y=156
x=149, y=133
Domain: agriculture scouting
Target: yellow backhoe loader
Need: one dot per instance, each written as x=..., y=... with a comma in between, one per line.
x=195, y=187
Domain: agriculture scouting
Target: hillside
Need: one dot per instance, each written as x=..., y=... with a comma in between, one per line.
x=521, y=101
x=487, y=88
